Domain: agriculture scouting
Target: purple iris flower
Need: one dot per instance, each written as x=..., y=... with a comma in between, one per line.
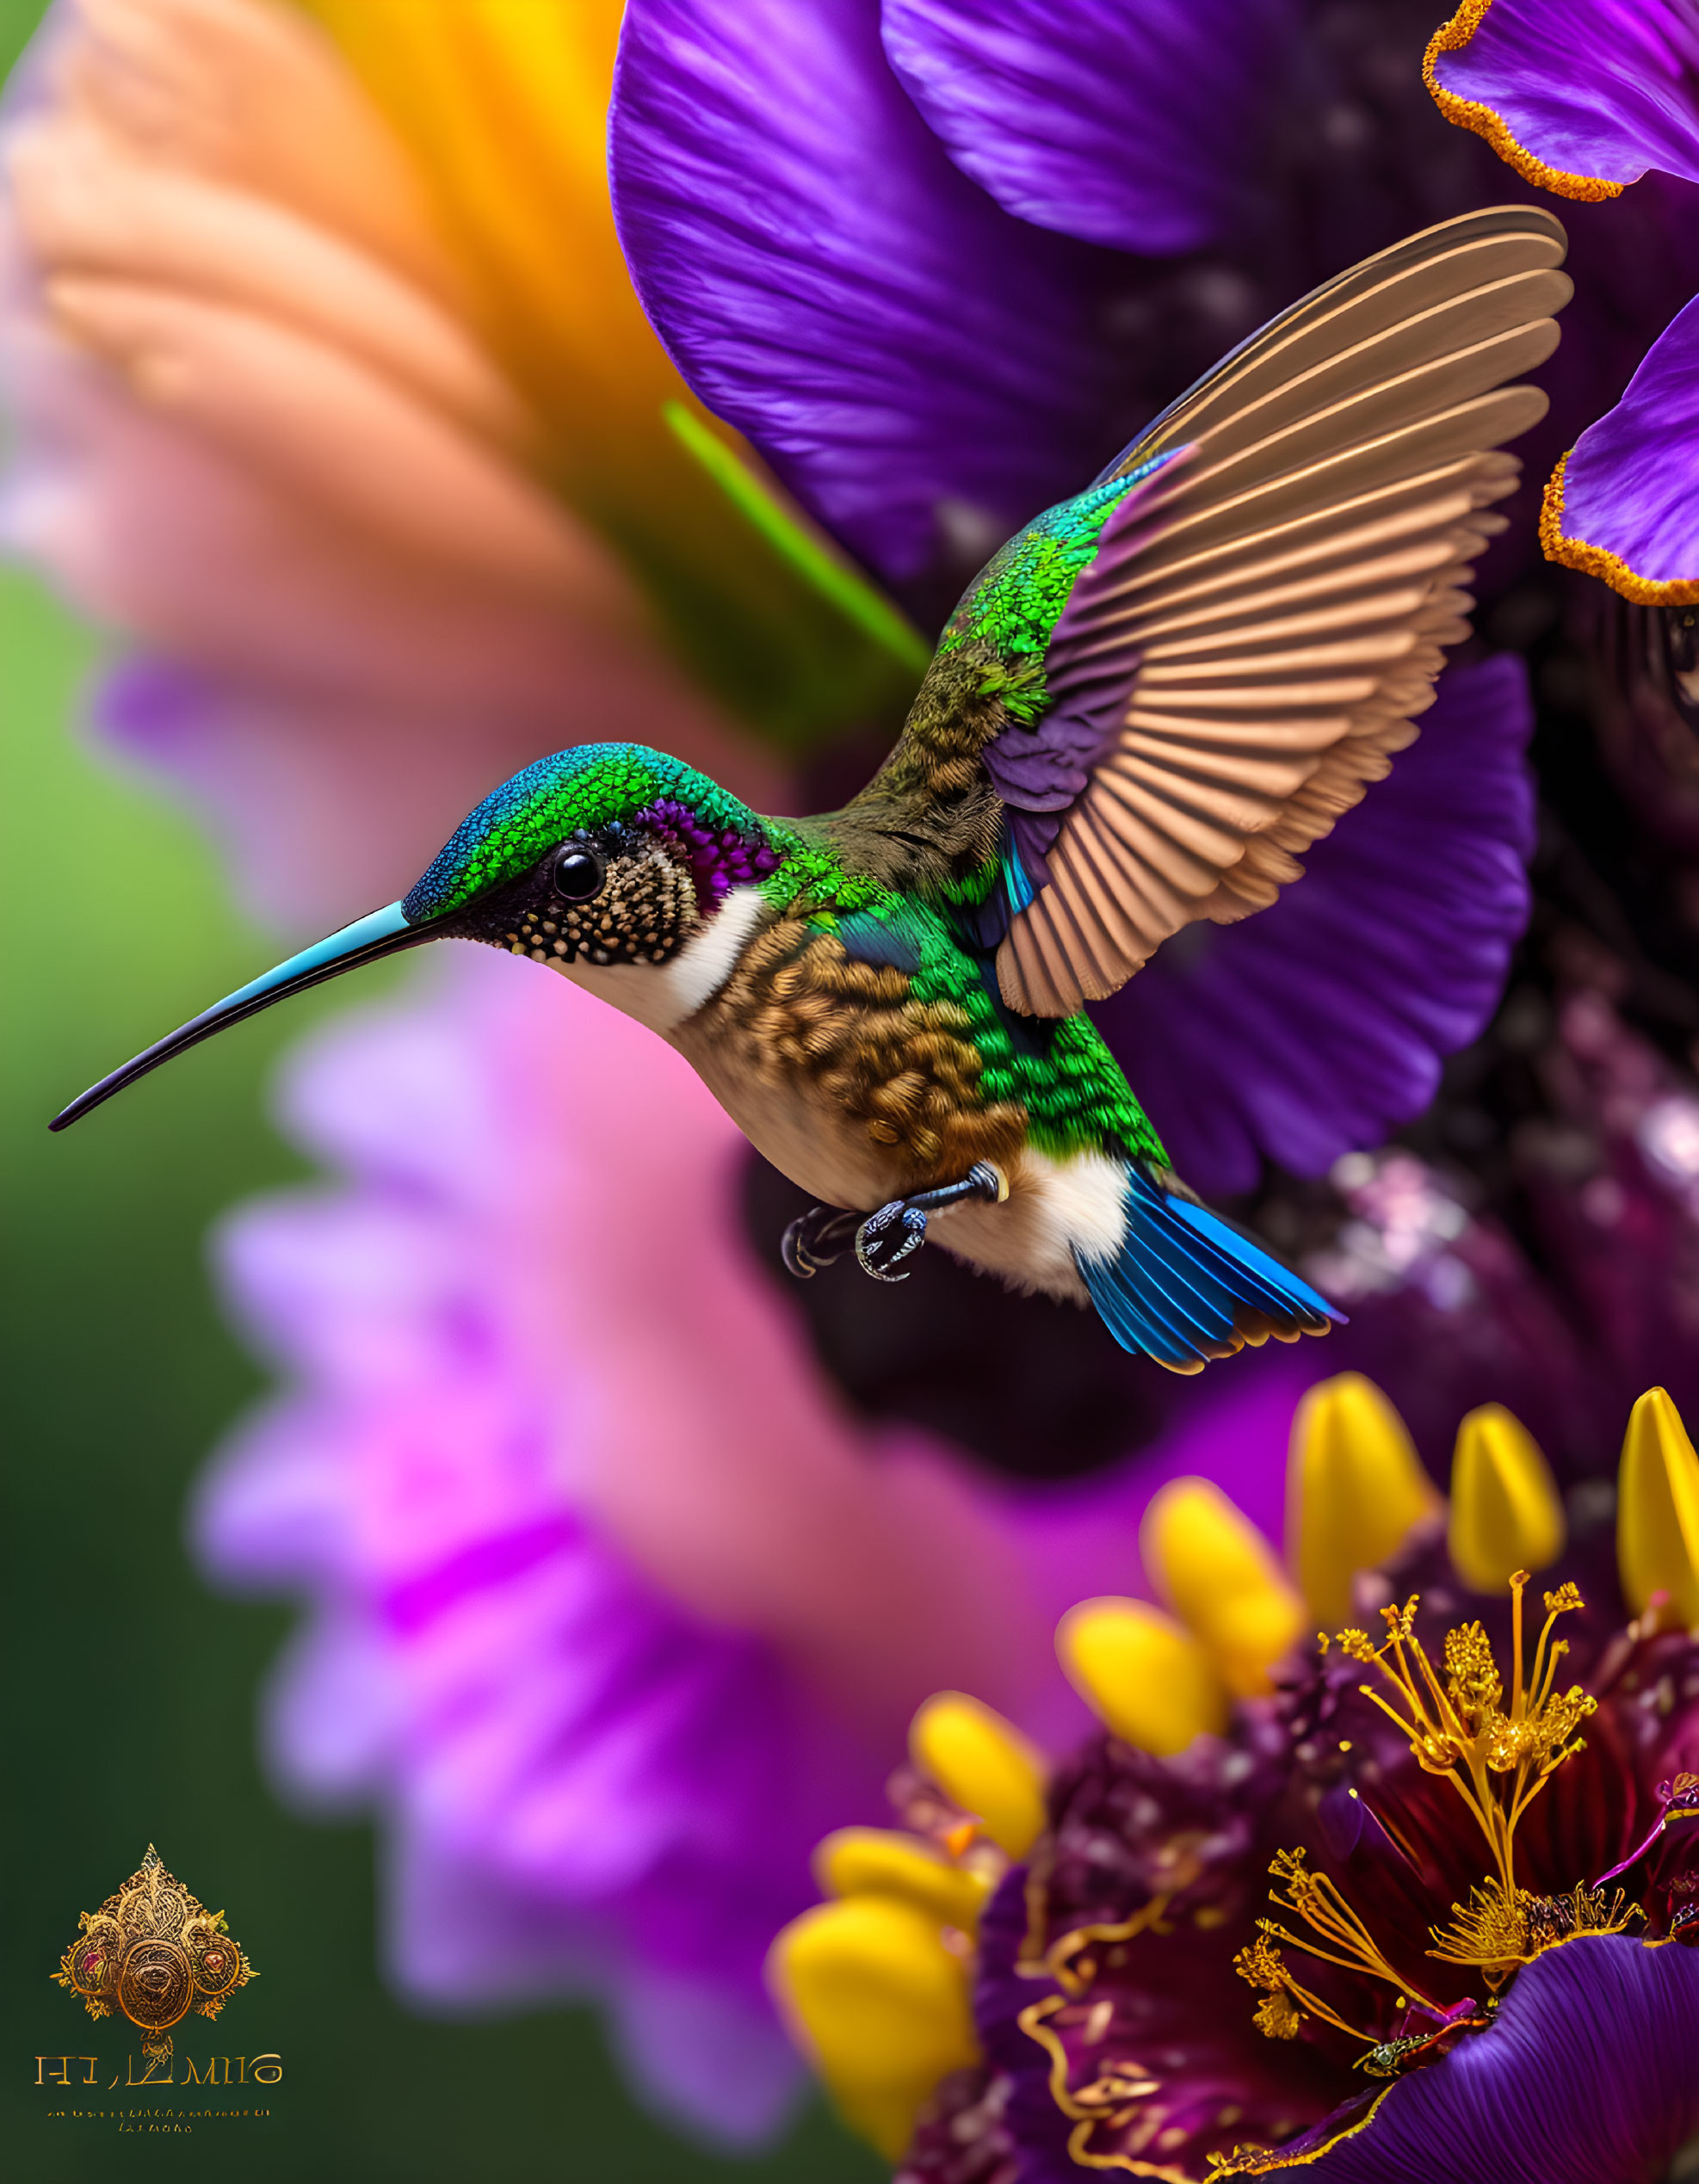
x=939, y=259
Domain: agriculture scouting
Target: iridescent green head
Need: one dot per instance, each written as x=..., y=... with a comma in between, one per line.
x=609, y=854
x=578, y=792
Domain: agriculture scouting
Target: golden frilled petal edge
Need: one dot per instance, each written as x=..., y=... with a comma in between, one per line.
x=1093, y=2105
x=1473, y=114
x=1255, y=2162
x=1599, y=561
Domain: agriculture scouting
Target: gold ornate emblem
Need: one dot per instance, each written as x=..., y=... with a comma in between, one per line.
x=155, y=1952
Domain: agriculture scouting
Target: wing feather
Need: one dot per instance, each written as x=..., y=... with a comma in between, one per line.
x=1278, y=615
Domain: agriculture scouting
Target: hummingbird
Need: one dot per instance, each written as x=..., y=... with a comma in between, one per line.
x=1150, y=701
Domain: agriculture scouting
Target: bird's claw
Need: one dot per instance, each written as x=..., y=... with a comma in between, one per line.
x=815, y=1239
x=886, y=1238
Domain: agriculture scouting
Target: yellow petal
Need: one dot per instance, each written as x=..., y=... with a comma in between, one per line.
x=503, y=104
x=873, y=1995
x=1152, y=1684
x=1355, y=1487
x=878, y=1861
x=1658, y=1510
x=1505, y=1513
x=984, y=1764
x=1218, y=1574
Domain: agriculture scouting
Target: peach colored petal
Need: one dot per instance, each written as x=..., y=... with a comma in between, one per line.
x=279, y=421
x=504, y=104
x=408, y=687
x=157, y=528
x=325, y=427
x=85, y=208
x=254, y=94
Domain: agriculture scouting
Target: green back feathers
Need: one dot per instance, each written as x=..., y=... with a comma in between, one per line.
x=810, y=871
x=1018, y=597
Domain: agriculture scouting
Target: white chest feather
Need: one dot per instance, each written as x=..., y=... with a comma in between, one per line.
x=663, y=995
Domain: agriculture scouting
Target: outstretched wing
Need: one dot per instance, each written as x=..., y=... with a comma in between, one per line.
x=1267, y=605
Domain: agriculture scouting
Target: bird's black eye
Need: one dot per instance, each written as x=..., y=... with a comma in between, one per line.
x=578, y=873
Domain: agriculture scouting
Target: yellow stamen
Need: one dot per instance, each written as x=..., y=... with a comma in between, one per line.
x=1355, y=1489
x=1153, y=1686
x=1286, y=2003
x=984, y=1764
x=1505, y=1514
x=1219, y=1576
x=1497, y=1932
x=1318, y=1902
x=873, y=1993
x=878, y=1861
x=1658, y=1511
x=1498, y=1760
x=1490, y=1931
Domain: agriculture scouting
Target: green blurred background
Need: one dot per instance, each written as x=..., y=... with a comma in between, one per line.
x=129, y=1690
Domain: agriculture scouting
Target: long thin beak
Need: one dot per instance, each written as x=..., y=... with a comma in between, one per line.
x=381, y=934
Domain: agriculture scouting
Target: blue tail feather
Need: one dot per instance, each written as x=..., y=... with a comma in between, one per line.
x=1188, y=1285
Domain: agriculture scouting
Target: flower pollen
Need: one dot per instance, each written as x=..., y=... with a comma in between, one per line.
x=1462, y=1728
x=1499, y=1753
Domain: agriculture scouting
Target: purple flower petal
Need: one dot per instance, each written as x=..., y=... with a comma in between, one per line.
x=1624, y=504
x=1587, y=2077
x=832, y=285
x=1581, y=96
x=1138, y=126
x=638, y=1804
x=1318, y=1026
